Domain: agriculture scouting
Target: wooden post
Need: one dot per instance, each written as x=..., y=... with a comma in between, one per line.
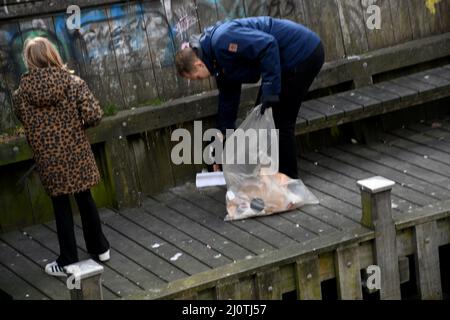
x=268, y=285
x=228, y=290
x=376, y=205
x=427, y=261
x=84, y=281
x=122, y=171
x=361, y=75
x=348, y=274
x=308, y=279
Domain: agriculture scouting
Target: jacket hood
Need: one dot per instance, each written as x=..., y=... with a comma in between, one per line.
x=45, y=86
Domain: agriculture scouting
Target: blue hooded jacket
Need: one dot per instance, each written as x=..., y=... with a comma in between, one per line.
x=245, y=50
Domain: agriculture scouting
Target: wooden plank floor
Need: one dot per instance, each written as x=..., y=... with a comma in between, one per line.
x=181, y=232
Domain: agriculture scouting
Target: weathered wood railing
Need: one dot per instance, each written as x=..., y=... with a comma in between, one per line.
x=386, y=242
x=133, y=147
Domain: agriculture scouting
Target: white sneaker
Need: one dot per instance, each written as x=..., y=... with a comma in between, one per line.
x=55, y=270
x=104, y=256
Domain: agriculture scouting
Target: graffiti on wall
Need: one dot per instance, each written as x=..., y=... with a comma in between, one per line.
x=136, y=35
x=431, y=5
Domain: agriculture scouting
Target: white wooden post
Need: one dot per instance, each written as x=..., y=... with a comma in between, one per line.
x=84, y=280
x=376, y=205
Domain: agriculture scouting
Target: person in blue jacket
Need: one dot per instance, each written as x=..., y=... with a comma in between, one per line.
x=286, y=56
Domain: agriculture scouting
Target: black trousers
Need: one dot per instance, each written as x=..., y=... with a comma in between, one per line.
x=295, y=85
x=96, y=242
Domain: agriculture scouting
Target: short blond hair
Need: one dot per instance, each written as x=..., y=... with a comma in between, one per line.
x=39, y=52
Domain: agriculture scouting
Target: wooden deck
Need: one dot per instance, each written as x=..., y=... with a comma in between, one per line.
x=181, y=232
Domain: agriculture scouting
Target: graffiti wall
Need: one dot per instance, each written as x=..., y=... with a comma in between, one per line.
x=125, y=50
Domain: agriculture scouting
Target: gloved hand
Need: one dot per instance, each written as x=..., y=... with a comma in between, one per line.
x=268, y=102
x=264, y=107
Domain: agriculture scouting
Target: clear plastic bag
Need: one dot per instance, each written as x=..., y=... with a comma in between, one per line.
x=254, y=186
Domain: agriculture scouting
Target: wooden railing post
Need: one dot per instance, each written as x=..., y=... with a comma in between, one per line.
x=427, y=261
x=84, y=281
x=376, y=205
x=308, y=278
x=348, y=275
x=268, y=284
x=228, y=290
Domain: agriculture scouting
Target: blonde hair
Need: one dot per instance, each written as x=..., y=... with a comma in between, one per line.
x=39, y=52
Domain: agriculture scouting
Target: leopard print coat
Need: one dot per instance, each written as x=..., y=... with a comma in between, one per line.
x=55, y=107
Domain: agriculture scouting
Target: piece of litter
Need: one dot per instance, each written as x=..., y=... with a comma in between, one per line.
x=394, y=206
x=217, y=256
x=426, y=157
x=175, y=257
x=316, y=163
x=297, y=225
x=320, y=230
x=354, y=141
x=210, y=179
x=248, y=257
x=353, y=57
x=156, y=245
x=27, y=295
x=405, y=171
x=208, y=246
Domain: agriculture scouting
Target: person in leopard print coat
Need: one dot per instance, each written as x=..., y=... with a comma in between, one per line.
x=55, y=107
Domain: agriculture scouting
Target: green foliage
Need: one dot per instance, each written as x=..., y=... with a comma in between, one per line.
x=110, y=109
x=152, y=102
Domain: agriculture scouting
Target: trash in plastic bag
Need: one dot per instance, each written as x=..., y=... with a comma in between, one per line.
x=250, y=166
